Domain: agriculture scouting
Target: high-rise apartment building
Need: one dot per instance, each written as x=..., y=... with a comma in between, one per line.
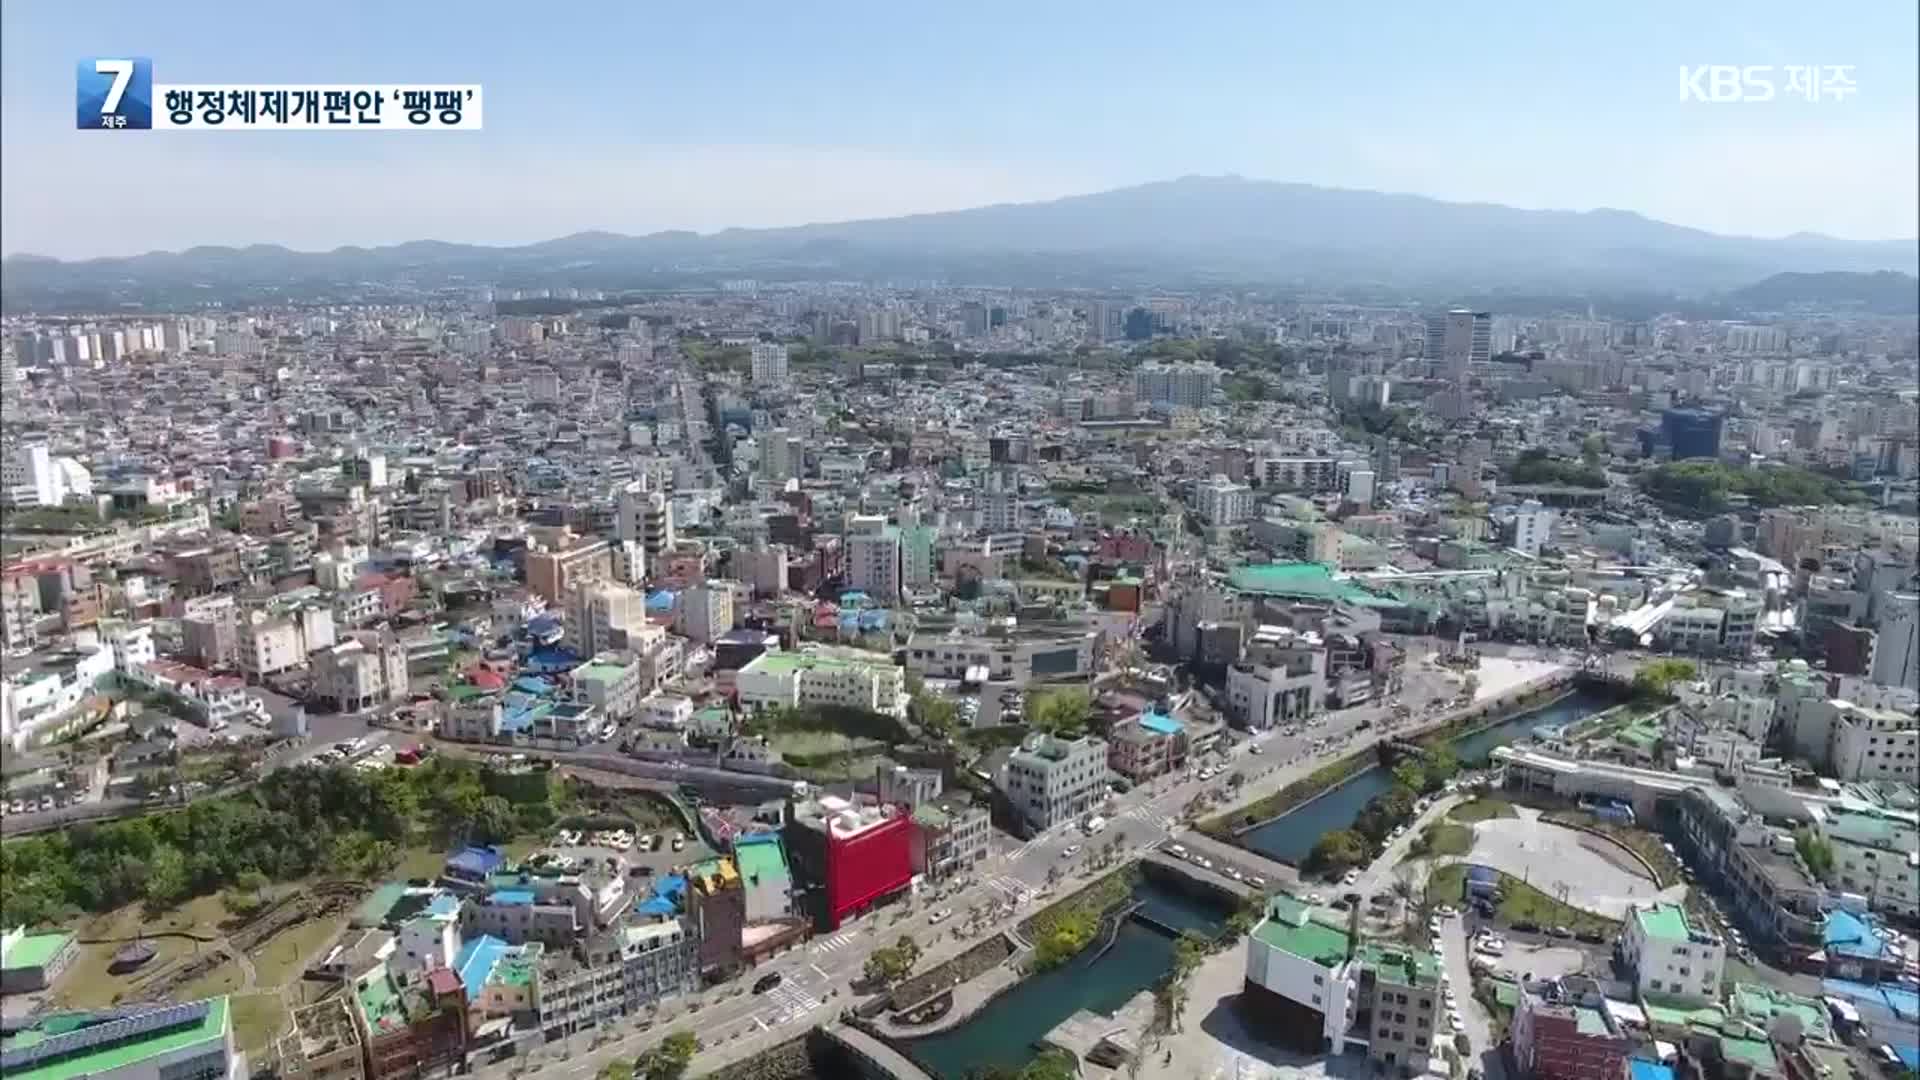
x=873, y=556
x=1459, y=339
x=1185, y=386
x=769, y=364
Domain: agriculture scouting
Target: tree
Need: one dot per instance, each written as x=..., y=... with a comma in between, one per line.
x=936, y=715
x=1470, y=686
x=617, y=1070
x=1338, y=850
x=1062, y=712
x=668, y=1059
x=1815, y=852
x=1408, y=773
x=166, y=879
x=1655, y=679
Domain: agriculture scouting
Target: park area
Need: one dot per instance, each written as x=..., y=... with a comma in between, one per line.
x=204, y=947
x=1584, y=870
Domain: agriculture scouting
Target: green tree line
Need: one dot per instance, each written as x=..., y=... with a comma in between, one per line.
x=1356, y=844
x=1706, y=486
x=294, y=823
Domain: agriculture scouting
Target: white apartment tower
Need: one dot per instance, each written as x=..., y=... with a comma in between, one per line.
x=769, y=364
x=873, y=557
x=1458, y=340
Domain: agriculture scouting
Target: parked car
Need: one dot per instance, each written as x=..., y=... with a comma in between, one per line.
x=1527, y=926
x=766, y=982
x=1591, y=936
x=1559, y=932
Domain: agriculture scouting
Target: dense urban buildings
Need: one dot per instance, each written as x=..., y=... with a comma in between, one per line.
x=858, y=611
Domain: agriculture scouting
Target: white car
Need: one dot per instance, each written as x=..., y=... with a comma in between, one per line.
x=1070, y=851
x=1350, y=877
x=940, y=916
x=1178, y=851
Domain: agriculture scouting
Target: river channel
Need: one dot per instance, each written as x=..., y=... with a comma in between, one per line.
x=1289, y=837
x=1005, y=1032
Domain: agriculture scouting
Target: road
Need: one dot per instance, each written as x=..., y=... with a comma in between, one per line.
x=816, y=980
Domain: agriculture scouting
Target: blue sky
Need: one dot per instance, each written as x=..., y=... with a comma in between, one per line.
x=636, y=116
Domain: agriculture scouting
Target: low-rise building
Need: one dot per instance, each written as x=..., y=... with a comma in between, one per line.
x=1149, y=745
x=140, y=1042
x=1566, y=1032
x=30, y=962
x=796, y=679
x=1049, y=781
x=1672, y=957
x=362, y=672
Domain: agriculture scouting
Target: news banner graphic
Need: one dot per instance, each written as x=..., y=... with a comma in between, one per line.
x=118, y=94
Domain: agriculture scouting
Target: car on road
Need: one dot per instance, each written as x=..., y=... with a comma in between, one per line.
x=940, y=916
x=1446, y=911
x=1178, y=851
x=1257, y=881
x=1070, y=851
x=1350, y=877
x=1559, y=932
x=766, y=982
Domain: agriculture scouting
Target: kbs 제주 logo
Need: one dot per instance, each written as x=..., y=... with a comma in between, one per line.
x=114, y=93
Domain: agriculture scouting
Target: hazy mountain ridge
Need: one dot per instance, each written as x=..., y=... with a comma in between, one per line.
x=1883, y=292
x=1196, y=227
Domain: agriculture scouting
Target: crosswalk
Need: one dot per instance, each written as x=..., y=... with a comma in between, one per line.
x=789, y=1003
x=1150, y=817
x=1012, y=888
x=835, y=943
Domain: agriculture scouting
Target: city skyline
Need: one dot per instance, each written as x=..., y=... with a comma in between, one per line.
x=765, y=118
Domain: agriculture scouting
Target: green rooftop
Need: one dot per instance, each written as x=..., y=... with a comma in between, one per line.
x=1760, y=1004
x=600, y=672
x=1673, y=1012
x=34, y=950
x=515, y=968
x=1666, y=922
x=106, y=1057
x=1757, y=1053
x=380, y=1004
x=761, y=860
x=1591, y=1022
x=1300, y=580
x=786, y=663
x=1401, y=966
x=1291, y=928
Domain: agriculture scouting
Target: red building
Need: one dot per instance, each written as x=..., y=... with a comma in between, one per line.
x=849, y=857
x=1572, y=1037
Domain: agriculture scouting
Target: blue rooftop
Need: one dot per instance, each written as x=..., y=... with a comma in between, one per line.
x=1649, y=1070
x=443, y=905
x=1161, y=722
x=543, y=625
x=475, y=961
x=510, y=897
x=668, y=891
x=552, y=658
x=662, y=600
x=1850, y=935
x=533, y=684
x=475, y=862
